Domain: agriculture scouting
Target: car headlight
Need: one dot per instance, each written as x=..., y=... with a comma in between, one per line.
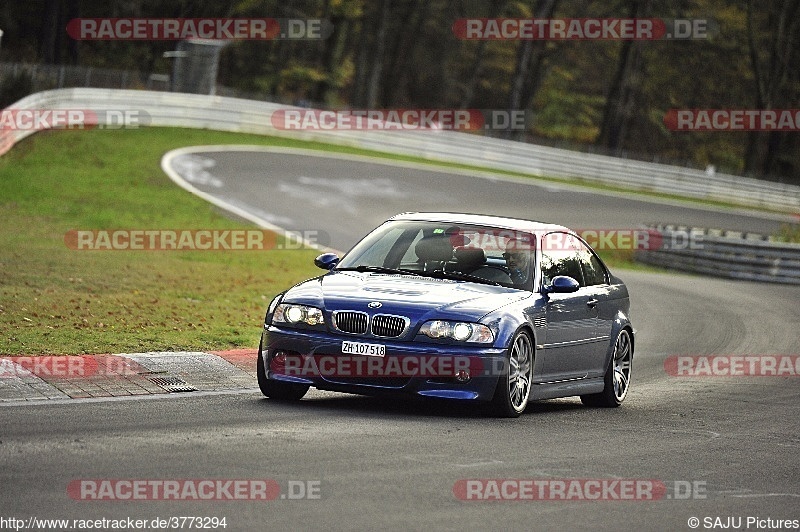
x=292, y=314
x=458, y=330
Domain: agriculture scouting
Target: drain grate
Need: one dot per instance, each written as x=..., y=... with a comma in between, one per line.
x=173, y=384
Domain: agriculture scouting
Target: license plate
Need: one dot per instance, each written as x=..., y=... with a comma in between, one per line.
x=360, y=348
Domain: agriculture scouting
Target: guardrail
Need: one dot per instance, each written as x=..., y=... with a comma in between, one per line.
x=728, y=254
x=248, y=116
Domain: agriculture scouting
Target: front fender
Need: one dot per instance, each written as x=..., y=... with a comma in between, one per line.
x=507, y=321
x=621, y=321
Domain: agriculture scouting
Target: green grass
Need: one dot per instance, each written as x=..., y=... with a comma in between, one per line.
x=788, y=233
x=54, y=300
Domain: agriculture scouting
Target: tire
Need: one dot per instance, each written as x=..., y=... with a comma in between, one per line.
x=281, y=391
x=618, y=375
x=514, y=385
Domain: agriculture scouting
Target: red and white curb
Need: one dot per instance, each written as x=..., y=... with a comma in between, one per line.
x=47, y=378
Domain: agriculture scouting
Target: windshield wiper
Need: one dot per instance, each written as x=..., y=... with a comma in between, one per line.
x=441, y=274
x=378, y=269
x=437, y=274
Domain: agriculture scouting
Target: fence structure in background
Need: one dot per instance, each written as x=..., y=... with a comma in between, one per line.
x=46, y=77
x=720, y=253
x=249, y=116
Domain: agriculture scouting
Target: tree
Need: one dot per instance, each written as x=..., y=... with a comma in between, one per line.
x=621, y=100
x=773, y=37
x=528, y=69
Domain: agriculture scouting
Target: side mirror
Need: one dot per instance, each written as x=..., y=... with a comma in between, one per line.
x=326, y=261
x=563, y=284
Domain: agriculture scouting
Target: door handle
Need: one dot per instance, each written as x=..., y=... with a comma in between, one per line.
x=591, y=303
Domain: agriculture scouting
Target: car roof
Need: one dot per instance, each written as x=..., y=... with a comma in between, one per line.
x=502, y=222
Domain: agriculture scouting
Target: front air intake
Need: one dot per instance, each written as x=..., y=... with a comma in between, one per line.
x=388, y=326
x=351, y=322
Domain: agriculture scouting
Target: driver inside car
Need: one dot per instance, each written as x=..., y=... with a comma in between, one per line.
x=518, y=260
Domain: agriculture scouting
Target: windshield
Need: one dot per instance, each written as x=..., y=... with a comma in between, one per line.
x=467, y=252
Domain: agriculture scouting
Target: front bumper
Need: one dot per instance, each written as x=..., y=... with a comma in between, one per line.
x=485, y=364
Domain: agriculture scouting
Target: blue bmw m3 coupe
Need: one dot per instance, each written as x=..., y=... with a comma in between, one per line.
x=465, y=307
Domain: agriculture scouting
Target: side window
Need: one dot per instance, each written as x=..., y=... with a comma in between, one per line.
x=593, y=271
x=560, y=257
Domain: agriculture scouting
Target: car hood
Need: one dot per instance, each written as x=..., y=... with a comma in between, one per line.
x=411, y=296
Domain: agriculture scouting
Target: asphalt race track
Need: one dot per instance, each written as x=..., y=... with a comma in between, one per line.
x=346, y=198
x=384, y=464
